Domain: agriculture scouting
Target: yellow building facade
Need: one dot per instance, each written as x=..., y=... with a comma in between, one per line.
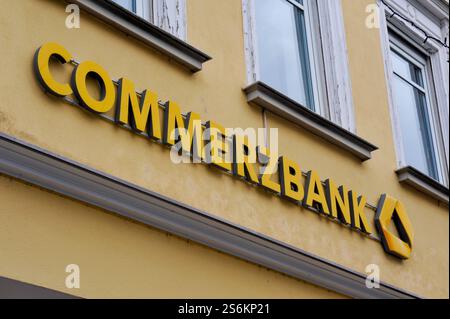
x=79, y=188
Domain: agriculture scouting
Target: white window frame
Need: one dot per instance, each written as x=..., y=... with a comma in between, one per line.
x=330, y=74
x=144, y=9
x=169, y=15
x=424, y=65
x=436, y=71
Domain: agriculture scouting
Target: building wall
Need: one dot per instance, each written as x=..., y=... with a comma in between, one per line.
x=215, y=93
x=119, y=258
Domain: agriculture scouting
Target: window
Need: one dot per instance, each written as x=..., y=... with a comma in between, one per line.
x=142, y=8
x=413, y=37
x=283, y=49
x=144, y=19
x=298, y=48
x=412, y=100
x=169, y=15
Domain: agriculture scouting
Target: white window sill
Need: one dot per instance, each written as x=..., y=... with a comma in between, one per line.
x=151, y=35
x=268, y=98
x=411, y=176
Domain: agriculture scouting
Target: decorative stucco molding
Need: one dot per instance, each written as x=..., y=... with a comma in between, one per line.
x=422, y=182
x=268, y=98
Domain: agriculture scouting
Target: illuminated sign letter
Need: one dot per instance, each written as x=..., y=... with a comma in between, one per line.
x=218, y=145
x=337, y=200
x=290, y=179
x=359, y=219
x=315, y=194
x=195, y=131
x=268, y=169
x=140, y=116
x=244, y=158
x=189, y=130
x=42, y=69
x=107, y=89
x=390, y=209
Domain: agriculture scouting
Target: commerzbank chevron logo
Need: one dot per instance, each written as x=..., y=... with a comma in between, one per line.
x=391, y=210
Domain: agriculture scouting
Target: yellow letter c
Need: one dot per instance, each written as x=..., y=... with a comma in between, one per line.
x=42, y=69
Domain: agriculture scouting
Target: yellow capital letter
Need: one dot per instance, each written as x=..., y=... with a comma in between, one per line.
x=244, y=158
x=290, y=173
x=315, y=194
x=359, y=219
x=268, y=169
x=42, y=69
x=189, y=130
x=219, y=146
x=137, y=115
x=79, y=86
x=337, y=200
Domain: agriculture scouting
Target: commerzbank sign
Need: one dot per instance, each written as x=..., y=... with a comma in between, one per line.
x=207, y=142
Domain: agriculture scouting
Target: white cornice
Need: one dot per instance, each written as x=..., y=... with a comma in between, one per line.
x=439, y=8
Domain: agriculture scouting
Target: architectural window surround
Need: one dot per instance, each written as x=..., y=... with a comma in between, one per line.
x=169, y=15
x=167, y=34
x=433, y=17
x=334, y=118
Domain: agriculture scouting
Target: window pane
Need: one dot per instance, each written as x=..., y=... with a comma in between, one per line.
x=414, y=117
x=283, y=49
x=401, y=66
x=142, y=8
x=128, y=4
x=406, y=69
x=416, y=75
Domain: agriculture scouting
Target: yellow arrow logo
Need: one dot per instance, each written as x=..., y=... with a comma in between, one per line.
x=392, y=210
